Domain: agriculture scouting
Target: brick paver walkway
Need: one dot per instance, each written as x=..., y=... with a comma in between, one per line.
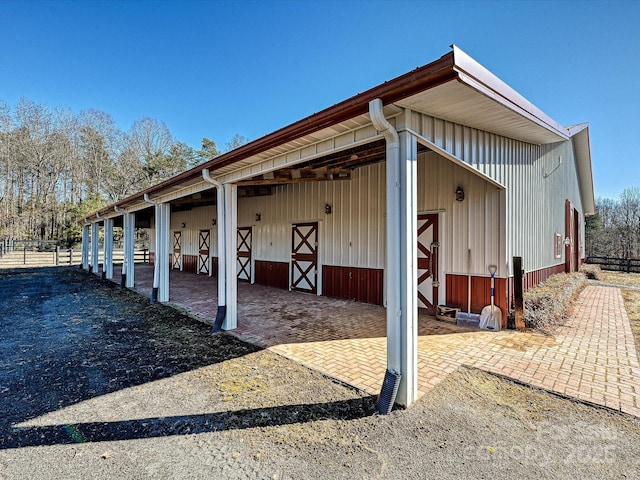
x=592, y=357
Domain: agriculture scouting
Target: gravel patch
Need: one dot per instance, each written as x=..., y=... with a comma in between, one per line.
x=97, y=383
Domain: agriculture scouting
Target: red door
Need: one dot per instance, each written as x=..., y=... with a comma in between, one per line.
x=428, y=246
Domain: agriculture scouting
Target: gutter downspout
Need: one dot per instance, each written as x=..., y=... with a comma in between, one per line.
x=222, y=257
x=156, y=270
x=393, y=374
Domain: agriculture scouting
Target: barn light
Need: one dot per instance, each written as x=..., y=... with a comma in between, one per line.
x=184, y=225
x=327, y=209
x=459, y=194
x=214, y=222
x=258, y=217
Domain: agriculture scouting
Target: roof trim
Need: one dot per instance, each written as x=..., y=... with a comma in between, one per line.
x=582, y=146
x=420, y=79
x=453, y=66
x=475, y=76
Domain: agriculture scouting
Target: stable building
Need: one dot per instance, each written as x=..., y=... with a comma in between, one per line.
x=401, y=196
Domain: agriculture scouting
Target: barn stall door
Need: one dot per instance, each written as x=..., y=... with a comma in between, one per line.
x=304, y=257
x=428, y=246
x=177, y=250
x=204, y=243
x=244, y=254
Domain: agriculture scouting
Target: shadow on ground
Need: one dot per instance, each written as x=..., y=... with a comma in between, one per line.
x=68, y=337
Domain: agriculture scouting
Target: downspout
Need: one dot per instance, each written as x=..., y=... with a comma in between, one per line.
x=123, y=273
x=222, y=254
x=392, y=376
x=156, y=270
x=392, y=139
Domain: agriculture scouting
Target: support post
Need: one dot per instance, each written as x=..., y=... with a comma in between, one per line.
x=108, y=248
x=95, y=261
x=230, y=253
x=160, y=290
x=128, y=270
x=85, y=247
x=401, y=250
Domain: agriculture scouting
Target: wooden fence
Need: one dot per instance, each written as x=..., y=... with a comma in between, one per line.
x=628, y=265
x=28, y=257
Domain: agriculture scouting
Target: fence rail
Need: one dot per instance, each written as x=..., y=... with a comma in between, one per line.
x=28, y=257
x=628, y=265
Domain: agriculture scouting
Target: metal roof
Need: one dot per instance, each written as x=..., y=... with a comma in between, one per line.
x=455, y=87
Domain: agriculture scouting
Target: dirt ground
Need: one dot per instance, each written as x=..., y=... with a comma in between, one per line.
x=97, y=383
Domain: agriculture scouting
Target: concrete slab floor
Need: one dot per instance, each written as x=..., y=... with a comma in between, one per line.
x=592, y=357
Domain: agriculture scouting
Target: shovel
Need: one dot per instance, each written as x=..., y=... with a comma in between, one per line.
x=491, y=316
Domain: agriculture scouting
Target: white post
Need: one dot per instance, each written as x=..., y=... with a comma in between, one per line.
x=95, y=261
x=401, y=264
x=161, y=262
x=128, y=270
x=230, y=253
x=108, y=248
x=408, y=391
x=85, y=247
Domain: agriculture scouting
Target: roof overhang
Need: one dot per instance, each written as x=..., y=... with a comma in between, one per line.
x=580, y=136
x=455, y=87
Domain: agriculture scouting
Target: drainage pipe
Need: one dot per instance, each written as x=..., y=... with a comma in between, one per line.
x=222, y=251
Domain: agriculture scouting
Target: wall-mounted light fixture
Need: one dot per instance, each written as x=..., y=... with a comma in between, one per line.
x=184, y=225
x=567, y=241
x=459, y=194
x=258, y=216
x=214, y=222
x=327, y=209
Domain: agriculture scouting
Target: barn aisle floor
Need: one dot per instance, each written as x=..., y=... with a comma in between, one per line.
x=592, y=357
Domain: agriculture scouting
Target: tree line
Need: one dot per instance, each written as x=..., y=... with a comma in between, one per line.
x=56, y=166
x=614, y=231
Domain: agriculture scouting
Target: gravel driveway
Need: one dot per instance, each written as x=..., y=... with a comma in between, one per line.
x=97, y=383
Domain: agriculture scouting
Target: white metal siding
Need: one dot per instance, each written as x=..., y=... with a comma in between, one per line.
x=469, y=230
x=352, y=235
x=535, y=207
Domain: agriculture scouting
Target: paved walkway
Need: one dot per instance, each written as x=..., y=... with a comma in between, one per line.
x=591, y=357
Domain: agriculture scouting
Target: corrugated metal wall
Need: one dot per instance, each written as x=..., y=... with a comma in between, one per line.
x=197, y=219
x=470, y=229
x=352, y=235
x=534, y=197
x=489, y=227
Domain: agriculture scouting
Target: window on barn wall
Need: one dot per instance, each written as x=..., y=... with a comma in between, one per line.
x=558, y=245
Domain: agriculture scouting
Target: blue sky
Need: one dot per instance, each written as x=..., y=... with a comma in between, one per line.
x=217, y=68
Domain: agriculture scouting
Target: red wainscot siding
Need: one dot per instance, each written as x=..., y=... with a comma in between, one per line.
x=536, y=277
x=189, y=263
x=272, y=274
x=457, y=288
x=352, y=283
x=481, y=290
